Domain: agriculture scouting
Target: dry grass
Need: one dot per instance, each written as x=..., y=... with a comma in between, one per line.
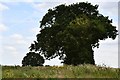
x=81, y=71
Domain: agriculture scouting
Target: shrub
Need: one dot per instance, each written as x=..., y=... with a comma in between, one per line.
x=33, y=59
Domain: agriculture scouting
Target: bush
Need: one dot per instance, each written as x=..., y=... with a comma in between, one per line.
x=33, y=59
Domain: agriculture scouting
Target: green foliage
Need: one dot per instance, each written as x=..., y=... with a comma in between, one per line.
x=32, y=59
x=71, y=32
x=81, y=71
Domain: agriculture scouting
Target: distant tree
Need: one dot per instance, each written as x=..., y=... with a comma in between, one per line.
x=71, y=32
x=33, y=59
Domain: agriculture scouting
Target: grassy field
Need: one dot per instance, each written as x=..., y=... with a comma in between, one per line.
x=81, y=71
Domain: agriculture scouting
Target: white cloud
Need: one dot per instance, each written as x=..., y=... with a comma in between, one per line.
x=1, y=38
x=53, y=62
x=2, y=27
x=11, y=54
x=16, y=0
x=109, y=8
x=17, y=38
x=28, y=0
x=43, y=6
x=40, y=5
x=75, y=0
x=14, y=48
x=58, y=0
x=10, y=48
x=3, y=7
x=106, y=54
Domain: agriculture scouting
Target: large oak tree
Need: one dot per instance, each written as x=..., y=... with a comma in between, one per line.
x=71, y=32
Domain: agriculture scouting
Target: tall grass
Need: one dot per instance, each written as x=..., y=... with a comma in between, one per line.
x=81, y=71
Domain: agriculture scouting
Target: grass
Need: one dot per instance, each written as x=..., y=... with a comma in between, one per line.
x=81, y=71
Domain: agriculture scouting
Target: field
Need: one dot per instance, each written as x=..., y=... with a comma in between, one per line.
x=81, y=71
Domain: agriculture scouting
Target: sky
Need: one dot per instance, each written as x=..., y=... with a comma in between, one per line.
x=19, y=24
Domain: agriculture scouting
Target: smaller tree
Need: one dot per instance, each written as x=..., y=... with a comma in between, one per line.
x=33, y=59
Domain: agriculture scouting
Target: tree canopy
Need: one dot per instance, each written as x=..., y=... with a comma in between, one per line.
x=33, y=59
x=71, y=32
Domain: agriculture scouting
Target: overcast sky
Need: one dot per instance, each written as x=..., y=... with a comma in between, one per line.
x=19, y=24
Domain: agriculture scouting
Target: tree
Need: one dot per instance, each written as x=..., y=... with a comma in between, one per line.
x=71, y=32
x=32, y=59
